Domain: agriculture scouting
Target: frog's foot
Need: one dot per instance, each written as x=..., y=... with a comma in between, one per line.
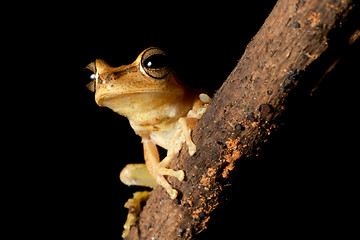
x=134, y=206
x=179, y=174
x=159, y=169
x=161, y=172
x=186, y=125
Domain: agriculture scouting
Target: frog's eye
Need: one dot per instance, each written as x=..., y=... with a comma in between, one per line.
x=90, y=73
x=155, y=63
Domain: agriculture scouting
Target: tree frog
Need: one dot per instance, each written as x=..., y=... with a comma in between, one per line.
x=161, y=110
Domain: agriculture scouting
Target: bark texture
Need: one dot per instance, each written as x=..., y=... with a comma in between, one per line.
x=298, y=43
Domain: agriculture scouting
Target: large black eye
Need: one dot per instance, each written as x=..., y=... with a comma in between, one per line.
x=155, y=63
x=90, y=75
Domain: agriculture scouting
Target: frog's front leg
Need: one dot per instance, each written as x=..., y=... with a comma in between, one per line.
x=187, y=124
x=152, y=161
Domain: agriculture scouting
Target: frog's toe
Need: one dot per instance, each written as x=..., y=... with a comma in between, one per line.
x=192, y=149
x=165, y=184
x=172, y=193
x=180, y=175
x=205, y=98
x=169, y=172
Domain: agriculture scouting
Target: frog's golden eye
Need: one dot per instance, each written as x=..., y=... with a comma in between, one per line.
x=155, y=63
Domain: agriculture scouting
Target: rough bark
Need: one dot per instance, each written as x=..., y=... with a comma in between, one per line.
x=298, y=43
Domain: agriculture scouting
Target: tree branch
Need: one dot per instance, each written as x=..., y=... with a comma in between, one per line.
x=298, y=43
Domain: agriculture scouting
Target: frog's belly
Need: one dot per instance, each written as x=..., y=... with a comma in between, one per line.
x=163, y=137
x=162, y=134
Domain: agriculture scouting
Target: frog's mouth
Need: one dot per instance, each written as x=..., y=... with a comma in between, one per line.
x=130, y=84
x=136, y=96
x=135, y=103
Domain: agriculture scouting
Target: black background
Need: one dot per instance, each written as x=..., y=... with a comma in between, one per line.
x=301, y=185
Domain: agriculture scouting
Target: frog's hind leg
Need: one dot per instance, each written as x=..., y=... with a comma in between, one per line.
x=134, y=206
x=139, y=175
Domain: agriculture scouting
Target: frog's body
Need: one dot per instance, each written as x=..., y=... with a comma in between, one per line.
x=160, y=109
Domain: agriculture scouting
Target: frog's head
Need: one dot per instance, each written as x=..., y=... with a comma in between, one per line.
x=149, y=73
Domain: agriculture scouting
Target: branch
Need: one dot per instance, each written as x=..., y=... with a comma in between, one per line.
x=298, y=43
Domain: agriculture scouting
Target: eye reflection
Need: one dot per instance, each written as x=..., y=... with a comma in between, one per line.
x=92, y=76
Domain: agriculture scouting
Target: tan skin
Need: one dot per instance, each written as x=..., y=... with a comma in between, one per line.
x=161, y=110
